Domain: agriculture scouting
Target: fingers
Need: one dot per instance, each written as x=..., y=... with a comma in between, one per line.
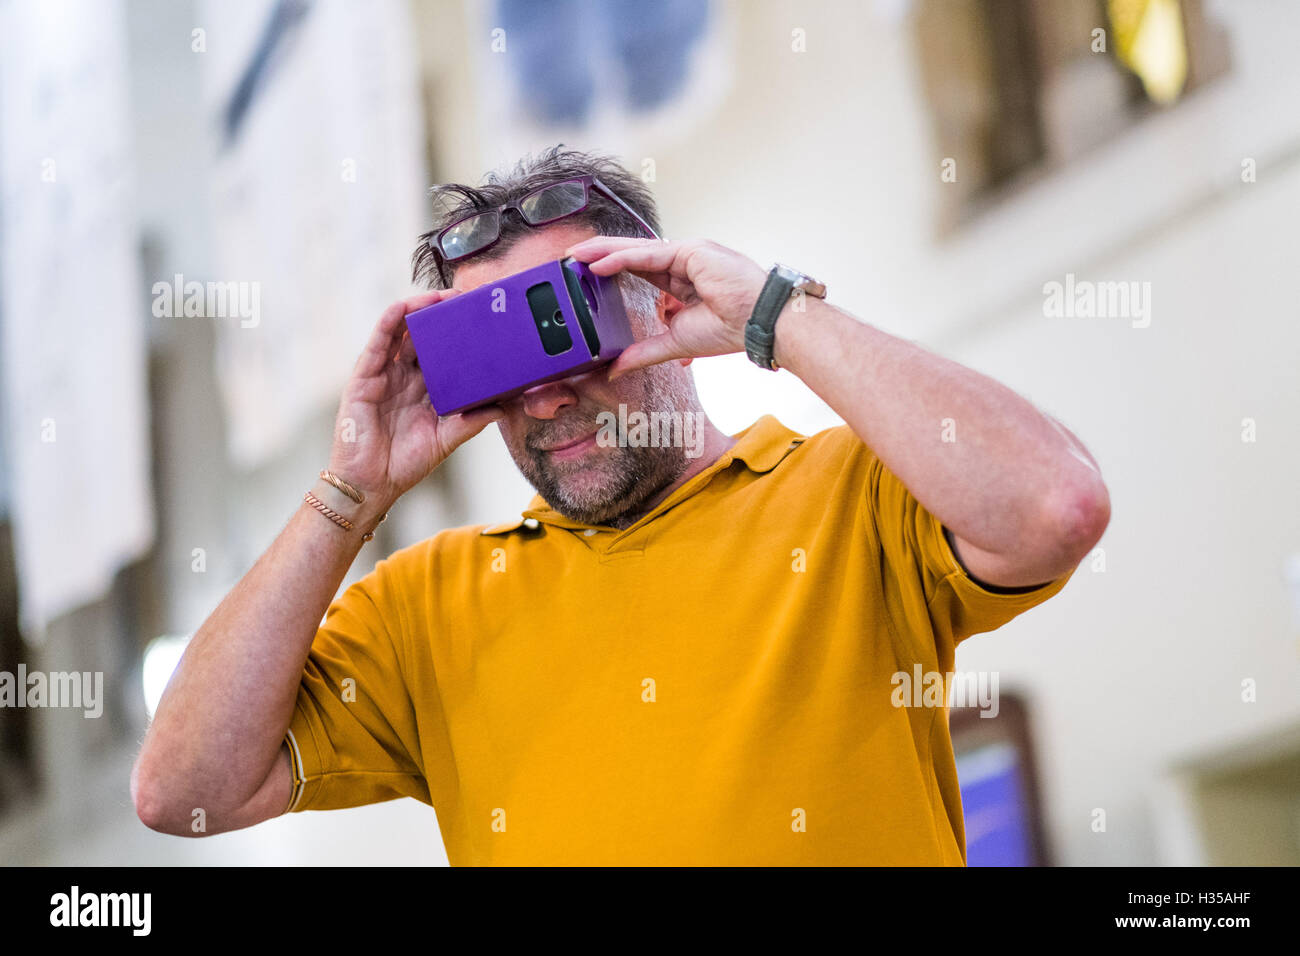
x=598, y=246
x=421, y=299
x=647, y=256
x=375, y=354
x=386, y=338
x=647, y=352
x=665, y=265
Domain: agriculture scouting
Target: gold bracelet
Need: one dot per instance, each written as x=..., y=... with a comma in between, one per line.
x=339, y=520
x=328, y=512
x=343, y=486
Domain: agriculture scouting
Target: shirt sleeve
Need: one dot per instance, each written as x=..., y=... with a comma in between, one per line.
x=930, y=584
x=354, y=732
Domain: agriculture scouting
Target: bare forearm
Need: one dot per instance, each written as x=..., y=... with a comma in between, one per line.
x=216, y=740
x=991, y=467
x=219, y=726
x=1022, y=499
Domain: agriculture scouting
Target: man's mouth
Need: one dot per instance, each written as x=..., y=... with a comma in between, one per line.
x=573, y=447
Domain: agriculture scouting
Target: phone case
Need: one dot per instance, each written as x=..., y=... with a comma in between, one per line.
x=500, y=339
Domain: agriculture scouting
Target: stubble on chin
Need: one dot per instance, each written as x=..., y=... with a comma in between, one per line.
x=608, y=484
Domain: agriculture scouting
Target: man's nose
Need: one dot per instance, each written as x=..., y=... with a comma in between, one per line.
x=545, y=401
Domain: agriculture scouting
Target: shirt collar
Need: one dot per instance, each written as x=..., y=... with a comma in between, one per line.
x=764, y=444
x=760, y=447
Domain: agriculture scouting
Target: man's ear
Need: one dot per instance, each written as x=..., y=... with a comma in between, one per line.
x=668, y=306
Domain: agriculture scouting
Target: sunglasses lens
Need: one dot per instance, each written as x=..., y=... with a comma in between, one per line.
x=553, y=202
x=470, y=235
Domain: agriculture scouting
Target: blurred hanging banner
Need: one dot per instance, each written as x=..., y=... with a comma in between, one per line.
x=73, y=306
x=319, y=198
x=564, y=51
x=624, y=77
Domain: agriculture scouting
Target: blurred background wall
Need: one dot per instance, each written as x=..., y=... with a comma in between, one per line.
x=938, y=163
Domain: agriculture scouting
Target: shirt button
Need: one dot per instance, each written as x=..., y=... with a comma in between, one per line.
x=589, y=532
x=530, y=524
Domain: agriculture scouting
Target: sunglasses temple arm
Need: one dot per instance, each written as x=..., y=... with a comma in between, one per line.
x=609, y=193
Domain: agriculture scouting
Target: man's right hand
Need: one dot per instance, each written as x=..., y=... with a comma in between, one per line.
x=217, y=741
x=387, y=437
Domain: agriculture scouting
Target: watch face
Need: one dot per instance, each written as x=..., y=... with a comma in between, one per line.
x=810, y=286
x=804, y=283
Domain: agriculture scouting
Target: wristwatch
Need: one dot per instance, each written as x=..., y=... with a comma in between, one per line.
x=783, y=283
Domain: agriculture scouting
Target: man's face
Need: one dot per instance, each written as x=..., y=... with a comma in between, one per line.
x=550, y=430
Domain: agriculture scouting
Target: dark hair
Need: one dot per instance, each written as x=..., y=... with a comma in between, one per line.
x=454, y=201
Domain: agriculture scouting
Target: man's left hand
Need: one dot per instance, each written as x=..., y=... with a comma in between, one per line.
x=712, y=288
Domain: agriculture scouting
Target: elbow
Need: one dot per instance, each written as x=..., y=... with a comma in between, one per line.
x=151, y=804
x=149, y=807
x=1077, y=516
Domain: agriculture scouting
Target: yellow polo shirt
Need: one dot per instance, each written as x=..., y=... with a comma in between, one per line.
x=712, y=685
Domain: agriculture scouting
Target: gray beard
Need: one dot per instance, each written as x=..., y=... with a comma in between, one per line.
x=629, y=477
x=626, y=477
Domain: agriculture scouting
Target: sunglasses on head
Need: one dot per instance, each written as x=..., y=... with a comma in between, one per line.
x=480, y=230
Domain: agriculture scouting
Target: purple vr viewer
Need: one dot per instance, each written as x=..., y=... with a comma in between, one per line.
x=539, y=325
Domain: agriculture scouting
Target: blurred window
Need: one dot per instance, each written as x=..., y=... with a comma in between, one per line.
x=1017, y=88
x=1000, y=793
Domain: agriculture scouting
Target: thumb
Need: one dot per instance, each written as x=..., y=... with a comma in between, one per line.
x=455, y=430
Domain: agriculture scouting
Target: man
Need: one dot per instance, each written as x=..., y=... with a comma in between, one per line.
x=669, y=657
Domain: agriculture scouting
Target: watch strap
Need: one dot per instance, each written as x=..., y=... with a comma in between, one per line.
x=760, y=330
